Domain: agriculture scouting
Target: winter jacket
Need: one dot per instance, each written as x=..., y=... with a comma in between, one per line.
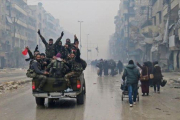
x=157, y=74
x=120, y=66
x=132, y=74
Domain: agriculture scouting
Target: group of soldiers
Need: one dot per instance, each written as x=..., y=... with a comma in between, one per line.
x=58, y=61
x=105, y=65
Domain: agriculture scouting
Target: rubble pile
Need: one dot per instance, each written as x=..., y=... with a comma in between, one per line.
x=12, y=85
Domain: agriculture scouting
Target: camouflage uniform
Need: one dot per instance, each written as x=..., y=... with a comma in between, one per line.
x=43, y=80
x=58, y=68
x=36, y=66
x=50, y=49
x=76, y=70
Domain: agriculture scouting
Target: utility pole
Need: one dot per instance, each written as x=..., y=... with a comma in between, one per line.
x=128, y=30
x=80, y=34
x=169, y=16
x=87, y=47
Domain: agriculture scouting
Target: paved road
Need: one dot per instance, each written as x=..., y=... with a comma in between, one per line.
x=103, y=102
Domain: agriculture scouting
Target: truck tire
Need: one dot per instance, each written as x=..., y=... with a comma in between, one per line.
x=80, y=98
x=84, y=88
x=40, y=101
x=52, y=101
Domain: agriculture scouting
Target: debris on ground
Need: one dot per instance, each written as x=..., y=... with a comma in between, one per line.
x=12, y=85
x=158, y=108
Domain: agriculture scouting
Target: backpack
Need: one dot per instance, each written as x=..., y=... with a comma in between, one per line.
x=58, y=68
x=77, y=67
x=30, y=72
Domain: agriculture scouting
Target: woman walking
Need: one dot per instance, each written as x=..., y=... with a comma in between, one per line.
x=157, y=77
x=145, y=82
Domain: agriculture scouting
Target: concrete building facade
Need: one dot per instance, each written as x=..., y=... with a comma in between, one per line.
x=148, y=30
x=19, y=23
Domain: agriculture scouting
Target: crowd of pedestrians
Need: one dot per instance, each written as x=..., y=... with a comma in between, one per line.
x=105, y=65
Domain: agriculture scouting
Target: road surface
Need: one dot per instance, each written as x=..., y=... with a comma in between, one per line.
x=103, y=102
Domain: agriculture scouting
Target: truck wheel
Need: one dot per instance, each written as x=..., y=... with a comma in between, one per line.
x=84, y=88
x=80, y=98
x=52, y=101
x=40, y=101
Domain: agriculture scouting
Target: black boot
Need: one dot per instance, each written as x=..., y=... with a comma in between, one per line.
x=143, y=94
x=147, y=94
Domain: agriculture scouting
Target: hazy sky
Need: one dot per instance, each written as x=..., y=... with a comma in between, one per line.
x=98, y=17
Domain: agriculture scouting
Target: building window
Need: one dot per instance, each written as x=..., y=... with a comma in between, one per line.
x=154, y=20
x=153, y=1
x=160, y=17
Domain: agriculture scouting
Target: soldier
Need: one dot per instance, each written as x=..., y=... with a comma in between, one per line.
x=59, y=68
x=44, y=61
x=68, y=42
x=50, y=47
x=76, y=66
x=40, y=75
x=60, y=49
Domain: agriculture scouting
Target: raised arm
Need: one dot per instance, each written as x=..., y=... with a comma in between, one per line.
x=139, y=65
x=75, y=39
x=59, y=39
x=30, y=53
x=42, y=38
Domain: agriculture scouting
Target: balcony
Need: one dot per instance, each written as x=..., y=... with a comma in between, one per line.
x=19, y=36
x=19, y=9
x=165, y=10
x=22, y=23
x=174, y=3
x=31, y=27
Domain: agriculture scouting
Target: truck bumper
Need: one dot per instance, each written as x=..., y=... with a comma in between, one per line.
x=56, y=95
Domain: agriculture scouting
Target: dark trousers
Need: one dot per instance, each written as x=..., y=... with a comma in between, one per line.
x=120, y=71
x=150, y=82
x=145, y=86
x=105, y=71
x=100, y=72
x=157, y=85
x=112, y=71
x=43, y=80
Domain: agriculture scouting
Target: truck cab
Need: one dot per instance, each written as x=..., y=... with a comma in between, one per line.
x=55, y=88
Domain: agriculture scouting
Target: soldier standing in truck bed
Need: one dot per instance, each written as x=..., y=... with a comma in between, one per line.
x=50, y=47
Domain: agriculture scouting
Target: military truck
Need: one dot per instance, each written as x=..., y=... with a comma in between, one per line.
x=55, y=88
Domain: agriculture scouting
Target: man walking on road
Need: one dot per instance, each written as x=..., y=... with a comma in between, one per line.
x=120, y=66
x=132, y=75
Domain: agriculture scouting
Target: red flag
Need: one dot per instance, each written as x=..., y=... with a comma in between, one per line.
x=25, y=53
